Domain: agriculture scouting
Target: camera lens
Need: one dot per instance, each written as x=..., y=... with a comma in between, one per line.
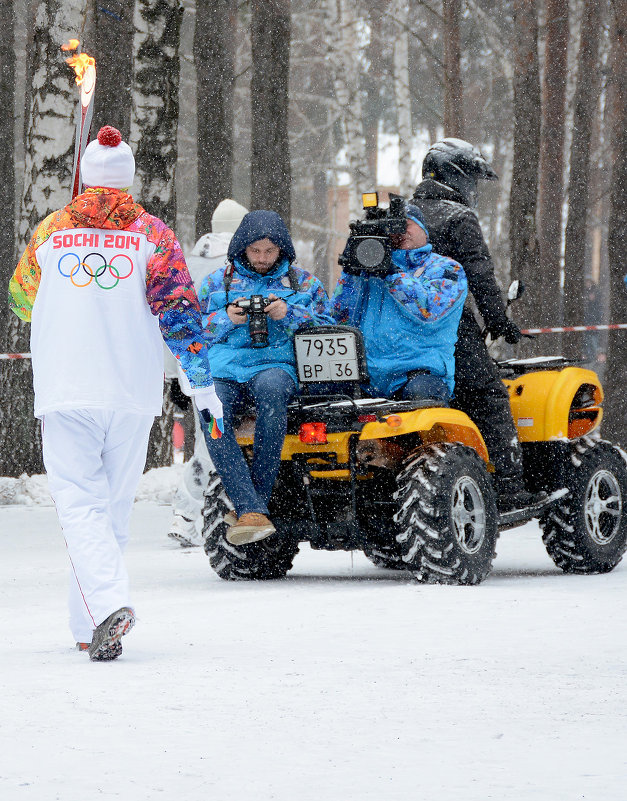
x=370, y=253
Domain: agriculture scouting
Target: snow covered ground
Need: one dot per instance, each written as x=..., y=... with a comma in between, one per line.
x=342, y=682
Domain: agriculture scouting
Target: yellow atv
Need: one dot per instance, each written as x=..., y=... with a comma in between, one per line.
x=410, y=482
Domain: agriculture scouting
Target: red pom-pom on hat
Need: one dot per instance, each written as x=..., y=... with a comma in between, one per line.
x=110, y=136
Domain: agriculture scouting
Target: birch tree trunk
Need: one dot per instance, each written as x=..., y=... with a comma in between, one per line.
x=214, y=60
x=155, y=123
x=375, y=55
x=585, y=109
x=109, y=39
x=403, y=99
x=7, y=167
x=551, y=193
x=453, y=94
x=49, y=157
x=270, y=169
x=342, y=22
x=523, y=196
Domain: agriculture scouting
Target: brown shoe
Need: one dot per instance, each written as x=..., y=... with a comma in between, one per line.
x=250, y=527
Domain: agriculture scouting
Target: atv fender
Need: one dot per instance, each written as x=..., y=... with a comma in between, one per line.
x=439, y=424
x=545, y=404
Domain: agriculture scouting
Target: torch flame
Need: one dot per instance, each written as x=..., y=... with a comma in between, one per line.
x=80, y=63
x=72, y=44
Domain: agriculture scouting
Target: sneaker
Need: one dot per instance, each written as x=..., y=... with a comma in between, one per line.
x=109, y=653
x=250, y=527
x=105, y=644
x=184, y=531
x=104, y=656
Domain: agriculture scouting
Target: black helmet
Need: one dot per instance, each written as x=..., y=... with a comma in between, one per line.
x=458, y=164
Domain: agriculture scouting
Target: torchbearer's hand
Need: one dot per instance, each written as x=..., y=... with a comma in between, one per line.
x=209, y=406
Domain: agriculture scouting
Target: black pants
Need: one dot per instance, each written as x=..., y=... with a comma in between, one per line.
x=480, y=393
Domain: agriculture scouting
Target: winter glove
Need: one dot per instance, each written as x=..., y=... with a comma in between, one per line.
x=177, y=396
x=210, y=407
x=510, y=332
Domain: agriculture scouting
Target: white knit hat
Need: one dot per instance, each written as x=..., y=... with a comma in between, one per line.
x=108, y=161
x=227, y=216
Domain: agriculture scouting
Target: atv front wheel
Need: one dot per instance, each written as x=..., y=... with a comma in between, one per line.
x=586, y=531
x=271, y=558
x=447, y=515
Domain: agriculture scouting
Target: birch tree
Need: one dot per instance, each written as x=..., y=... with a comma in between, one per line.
x=403, y=99
x=49, y=157
x=7, y=168
x=214, y=56
x=342, y=35
x=155, y=121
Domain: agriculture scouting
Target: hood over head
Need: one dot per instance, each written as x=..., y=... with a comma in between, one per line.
x=261, y=224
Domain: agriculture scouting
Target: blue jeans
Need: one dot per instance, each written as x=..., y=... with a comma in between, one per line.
x=268, y=392
x=423, y=385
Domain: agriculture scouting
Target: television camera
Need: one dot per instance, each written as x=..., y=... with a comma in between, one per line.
x=369, y=246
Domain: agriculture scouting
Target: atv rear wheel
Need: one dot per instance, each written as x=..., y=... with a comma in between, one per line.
x=271, y=558
x=447, y=515
x=586, y=531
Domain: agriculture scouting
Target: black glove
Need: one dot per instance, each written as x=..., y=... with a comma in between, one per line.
x=178, y=397
x=510, y=332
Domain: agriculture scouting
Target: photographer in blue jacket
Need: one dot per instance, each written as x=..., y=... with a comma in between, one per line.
x=408, y=314
x=251, y=310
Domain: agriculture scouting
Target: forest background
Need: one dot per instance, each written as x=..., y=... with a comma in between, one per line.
x=300, y=106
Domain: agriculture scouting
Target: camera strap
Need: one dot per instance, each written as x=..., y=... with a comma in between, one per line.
x=228, y=279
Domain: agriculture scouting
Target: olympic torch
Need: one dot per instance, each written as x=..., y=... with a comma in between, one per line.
x=84, y=67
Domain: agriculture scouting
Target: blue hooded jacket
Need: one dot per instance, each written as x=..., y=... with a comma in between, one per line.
x=231, y=354
x=409, y=317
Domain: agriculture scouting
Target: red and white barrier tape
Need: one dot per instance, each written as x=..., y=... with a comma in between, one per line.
x=568, y=328
x=563, y=329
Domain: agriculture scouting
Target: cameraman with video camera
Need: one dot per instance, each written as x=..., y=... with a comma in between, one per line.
x=251, y=309
x=406, y=300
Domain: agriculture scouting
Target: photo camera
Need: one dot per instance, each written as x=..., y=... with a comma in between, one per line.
x=254, y=306
x=369, y=246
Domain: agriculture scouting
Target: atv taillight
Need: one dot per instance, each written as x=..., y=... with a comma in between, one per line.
x=313, y=433
x=367, y=418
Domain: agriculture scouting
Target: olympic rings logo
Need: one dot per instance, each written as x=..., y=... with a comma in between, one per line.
x=95, y=272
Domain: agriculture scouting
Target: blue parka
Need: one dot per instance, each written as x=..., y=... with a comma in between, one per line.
x=409, y=317
x=231, y=353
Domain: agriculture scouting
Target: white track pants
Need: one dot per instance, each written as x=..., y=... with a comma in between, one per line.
x=94, y=459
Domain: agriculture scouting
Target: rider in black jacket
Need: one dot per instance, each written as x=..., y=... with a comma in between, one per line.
x=447, y=197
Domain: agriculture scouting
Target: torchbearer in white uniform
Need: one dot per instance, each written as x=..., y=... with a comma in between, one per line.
x=103, y=283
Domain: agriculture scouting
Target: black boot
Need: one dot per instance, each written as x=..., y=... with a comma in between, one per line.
x=511, y=496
